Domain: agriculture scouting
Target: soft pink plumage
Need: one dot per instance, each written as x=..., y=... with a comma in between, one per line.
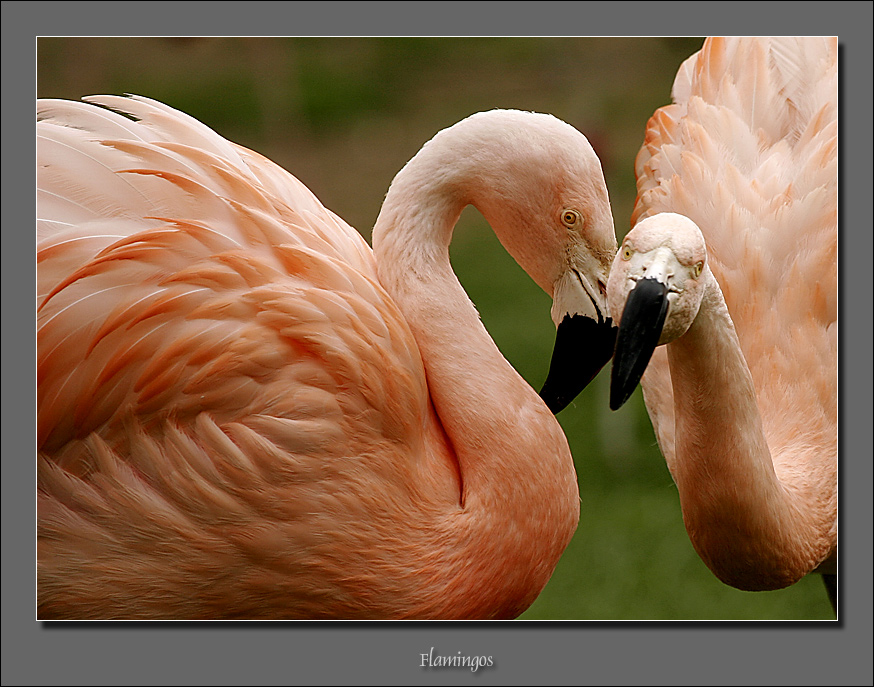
x=240, y=416
x=744, y=404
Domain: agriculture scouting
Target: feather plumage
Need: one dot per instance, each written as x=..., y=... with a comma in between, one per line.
x=748, y=152
x=234, y=416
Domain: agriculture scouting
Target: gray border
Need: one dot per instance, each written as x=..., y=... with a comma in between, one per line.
x=385, y=653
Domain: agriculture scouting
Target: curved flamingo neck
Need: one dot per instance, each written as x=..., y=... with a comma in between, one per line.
x=737, y=511
x=519, y=504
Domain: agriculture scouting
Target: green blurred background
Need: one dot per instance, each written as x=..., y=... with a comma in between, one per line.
x=344, y=115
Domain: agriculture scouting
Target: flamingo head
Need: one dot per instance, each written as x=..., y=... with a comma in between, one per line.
x=655, y=288
x=548, y=204
x=539, y=184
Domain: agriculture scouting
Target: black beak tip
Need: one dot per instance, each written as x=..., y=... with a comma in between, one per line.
x=582, y=347
x=642, y=321
x=619, y=392
x=616, y=399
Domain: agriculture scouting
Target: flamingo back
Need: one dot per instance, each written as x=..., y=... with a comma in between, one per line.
x=748, y=151
x=212, y=388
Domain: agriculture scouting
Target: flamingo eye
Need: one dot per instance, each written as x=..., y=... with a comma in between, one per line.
x=697, y=268
x=626, y=252
x=570, y=218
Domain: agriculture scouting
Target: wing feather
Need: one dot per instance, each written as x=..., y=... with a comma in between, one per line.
x=180, y=274
x=748, y=150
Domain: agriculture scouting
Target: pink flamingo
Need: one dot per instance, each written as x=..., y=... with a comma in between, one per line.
x=243, y=411
x=743, y=397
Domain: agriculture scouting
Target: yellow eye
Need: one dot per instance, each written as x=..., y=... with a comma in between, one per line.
x=626, y=252
x=697, y=268
x=571, y=217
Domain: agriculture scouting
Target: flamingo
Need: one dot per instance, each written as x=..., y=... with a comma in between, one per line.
x=728, y=280
x=245, y=412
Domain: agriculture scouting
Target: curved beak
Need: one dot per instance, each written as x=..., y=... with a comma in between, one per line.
x=639, y=330
x=583, y=346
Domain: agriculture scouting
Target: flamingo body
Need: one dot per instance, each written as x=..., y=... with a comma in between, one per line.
x=743, y=398
x=237, y=417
